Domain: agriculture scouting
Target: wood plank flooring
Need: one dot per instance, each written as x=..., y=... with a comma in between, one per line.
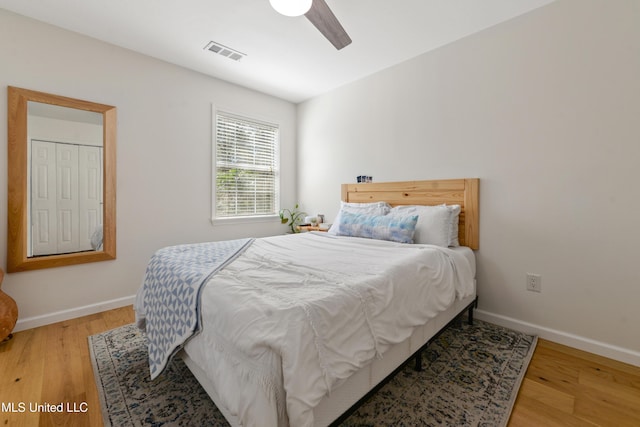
x=568, y=387
x=51, y=364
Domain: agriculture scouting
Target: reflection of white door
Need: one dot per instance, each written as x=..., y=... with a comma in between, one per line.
x=66, y=193
x=67, y=197
x=43, y=199
x=89, y=193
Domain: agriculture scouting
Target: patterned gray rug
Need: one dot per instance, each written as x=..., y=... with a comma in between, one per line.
x=471, y=377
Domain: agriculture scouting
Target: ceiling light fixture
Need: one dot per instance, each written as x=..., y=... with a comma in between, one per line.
x=291, y=7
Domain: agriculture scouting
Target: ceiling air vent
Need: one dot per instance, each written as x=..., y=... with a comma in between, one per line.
x=223, y=50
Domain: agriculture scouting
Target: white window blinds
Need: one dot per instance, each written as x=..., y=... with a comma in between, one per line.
x=245, y=167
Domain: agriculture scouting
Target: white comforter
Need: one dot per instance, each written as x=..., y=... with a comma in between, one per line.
x=294, y=315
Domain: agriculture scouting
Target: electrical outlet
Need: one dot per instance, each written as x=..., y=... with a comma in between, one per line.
x=534, y=282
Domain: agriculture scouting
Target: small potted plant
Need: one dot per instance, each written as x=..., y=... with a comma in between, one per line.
x=292, y=217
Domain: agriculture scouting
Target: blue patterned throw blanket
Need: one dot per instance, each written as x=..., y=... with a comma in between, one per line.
x=171, y=294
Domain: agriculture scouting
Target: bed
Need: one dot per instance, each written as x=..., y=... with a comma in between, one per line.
x=305, y=355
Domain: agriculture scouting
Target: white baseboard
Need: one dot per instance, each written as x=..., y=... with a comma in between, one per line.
x=596, y=347
x=59, y=316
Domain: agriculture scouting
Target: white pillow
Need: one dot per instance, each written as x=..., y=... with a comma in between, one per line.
x=434, y=223
x=376, y=208
x=454, y=211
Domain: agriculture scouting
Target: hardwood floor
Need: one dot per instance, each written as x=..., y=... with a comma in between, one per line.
x=51, y=365
x=568, y=387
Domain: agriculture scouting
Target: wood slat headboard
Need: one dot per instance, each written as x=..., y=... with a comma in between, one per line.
x=463, y=192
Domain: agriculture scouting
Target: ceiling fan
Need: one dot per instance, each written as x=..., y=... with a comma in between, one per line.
x=320, y=15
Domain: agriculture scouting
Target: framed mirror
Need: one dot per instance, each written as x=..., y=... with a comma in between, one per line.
x=62, y=181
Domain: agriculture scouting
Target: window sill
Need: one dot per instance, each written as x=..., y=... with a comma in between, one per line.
x=245, y=220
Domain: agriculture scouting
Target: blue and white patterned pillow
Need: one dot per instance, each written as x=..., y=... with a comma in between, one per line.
x=395, y=229
x=375, y=208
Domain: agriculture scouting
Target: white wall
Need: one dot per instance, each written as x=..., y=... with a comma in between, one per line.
x=163, y=158
x=545, y=110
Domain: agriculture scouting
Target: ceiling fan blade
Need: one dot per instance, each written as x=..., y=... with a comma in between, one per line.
x=324, y=20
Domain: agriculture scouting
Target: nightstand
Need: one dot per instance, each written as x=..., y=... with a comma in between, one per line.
x=303, y=228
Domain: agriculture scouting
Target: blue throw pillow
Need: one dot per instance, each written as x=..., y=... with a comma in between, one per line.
x=381, y=227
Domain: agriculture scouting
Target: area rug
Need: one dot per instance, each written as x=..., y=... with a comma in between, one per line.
x=470, y=377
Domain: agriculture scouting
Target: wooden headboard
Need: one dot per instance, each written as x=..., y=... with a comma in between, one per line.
x=463, y=192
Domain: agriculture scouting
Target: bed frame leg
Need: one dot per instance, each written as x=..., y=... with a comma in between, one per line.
x=418, y=366
x=471, y=307
x=458, y=321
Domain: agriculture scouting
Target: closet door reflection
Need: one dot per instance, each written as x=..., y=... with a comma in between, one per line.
x=65, y=172
x=66, y=198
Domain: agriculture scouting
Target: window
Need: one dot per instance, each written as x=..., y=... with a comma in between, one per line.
x=246, y=174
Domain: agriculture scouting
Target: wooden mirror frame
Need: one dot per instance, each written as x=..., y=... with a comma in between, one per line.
x=18, y=216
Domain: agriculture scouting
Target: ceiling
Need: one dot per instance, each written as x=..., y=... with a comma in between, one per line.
x=285, y=57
